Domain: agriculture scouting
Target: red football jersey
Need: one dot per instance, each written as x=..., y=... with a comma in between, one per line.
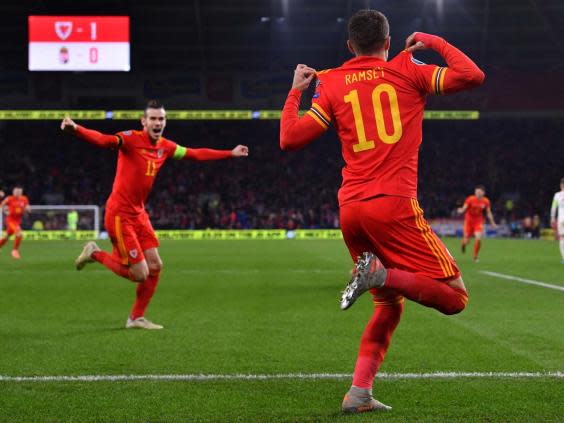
x=139, y=161
x=377, y=110
x=475, y=208
x=16, y=207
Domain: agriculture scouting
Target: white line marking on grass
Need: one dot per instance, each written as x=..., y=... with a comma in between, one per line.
x=310, y=376
x=522, y=280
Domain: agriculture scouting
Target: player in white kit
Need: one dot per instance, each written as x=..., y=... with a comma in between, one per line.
x=558, y=225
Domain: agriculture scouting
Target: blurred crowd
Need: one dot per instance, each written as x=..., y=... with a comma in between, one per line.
x=517, y=160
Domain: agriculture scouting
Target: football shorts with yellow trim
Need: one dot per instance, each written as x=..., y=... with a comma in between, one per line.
x=130, y=235
x=395, y=230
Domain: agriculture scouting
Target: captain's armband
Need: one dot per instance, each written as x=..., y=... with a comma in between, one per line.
x=179, y=153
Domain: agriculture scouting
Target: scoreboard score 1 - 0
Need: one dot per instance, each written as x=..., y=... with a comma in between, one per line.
x=79, y=43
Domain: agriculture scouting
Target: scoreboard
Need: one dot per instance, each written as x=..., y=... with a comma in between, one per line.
x=79, y=43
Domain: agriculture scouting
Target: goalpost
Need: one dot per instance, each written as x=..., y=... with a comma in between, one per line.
x=54, y=219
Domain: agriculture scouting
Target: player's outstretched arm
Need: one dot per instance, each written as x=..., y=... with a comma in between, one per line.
x=202, y=154
x=462, y=210
x=89, y=135
x=462, y=72
x=296, y=133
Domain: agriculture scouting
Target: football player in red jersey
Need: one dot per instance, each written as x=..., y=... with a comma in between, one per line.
x=141, y=155
x=474, y=207
x=377, y=107
x=15, y=206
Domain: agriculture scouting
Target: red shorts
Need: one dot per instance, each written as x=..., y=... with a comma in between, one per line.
x=130, y=235
x=13, y=226
x=472, y=226
x=395, y=230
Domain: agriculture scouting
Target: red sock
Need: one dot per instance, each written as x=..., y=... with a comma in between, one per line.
x=112, y=263
x=427, y=291
x=17, y=242
x=477, y=245
x=3, y=241
x=374, y=343
x=145, y=291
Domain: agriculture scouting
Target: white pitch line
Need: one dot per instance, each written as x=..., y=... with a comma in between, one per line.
x=522, y=280
x=310, y=376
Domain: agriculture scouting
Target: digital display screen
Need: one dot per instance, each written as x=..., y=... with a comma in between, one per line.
x=79, y=43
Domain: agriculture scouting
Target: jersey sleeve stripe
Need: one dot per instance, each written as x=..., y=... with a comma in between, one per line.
x=321, y=111
x=437, y=81
x=442, y=80
x=321, y=116
x=316, y=118
x=119, y=140
x=433, y=78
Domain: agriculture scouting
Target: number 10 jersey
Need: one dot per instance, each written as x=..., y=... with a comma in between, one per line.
x=377, y=109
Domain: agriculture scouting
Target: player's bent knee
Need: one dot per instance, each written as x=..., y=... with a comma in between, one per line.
x=156, y=266
x=458, y=304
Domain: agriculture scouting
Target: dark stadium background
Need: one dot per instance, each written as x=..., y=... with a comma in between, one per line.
x=240, y=55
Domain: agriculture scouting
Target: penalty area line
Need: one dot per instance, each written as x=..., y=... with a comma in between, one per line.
x=522, y=280
x=302, y=376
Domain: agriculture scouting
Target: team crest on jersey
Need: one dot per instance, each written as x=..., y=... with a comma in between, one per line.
x=316, y=95
x=133, y=253
x=160, y=153
x=417, y=62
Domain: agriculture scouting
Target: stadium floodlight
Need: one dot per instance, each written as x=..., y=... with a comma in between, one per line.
x=58, y=219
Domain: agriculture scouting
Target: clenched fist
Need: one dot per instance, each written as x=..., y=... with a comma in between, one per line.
x=240, y=151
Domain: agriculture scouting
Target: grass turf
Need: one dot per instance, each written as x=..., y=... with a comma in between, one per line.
x=271, y=307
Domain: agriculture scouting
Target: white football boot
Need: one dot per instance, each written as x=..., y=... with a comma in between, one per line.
x=359, y=400
x=141, y=323
x=86, y=255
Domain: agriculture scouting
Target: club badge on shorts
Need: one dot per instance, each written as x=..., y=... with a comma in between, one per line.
x=133, y=253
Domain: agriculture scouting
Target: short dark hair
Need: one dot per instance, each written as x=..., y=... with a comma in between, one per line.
x=153, y=104
x=368, y=30
x=481, y=186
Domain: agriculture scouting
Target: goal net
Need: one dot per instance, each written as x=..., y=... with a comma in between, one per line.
x=60, y=222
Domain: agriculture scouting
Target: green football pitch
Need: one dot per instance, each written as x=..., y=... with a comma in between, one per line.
x=236, y=310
